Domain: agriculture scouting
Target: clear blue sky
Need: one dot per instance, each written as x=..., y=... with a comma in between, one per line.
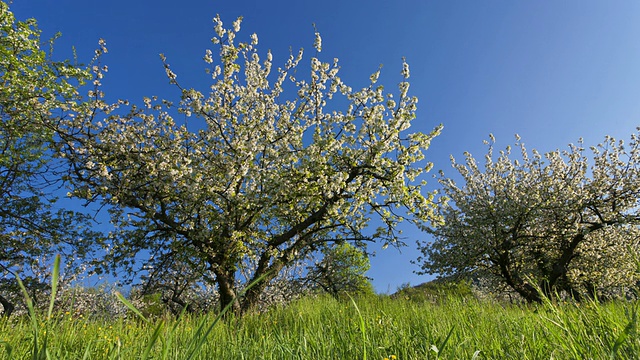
x=551, y=71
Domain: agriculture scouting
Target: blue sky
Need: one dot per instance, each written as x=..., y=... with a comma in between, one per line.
x=551, y=71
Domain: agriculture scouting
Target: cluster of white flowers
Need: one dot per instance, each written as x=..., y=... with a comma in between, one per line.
x=562, y=219
x=260, y=165
x=317, y=44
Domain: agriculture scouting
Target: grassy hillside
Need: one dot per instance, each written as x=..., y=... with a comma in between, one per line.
x=459, y=327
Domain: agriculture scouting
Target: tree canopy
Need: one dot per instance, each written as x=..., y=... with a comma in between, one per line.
x=552, y=223
x=342, y=270
x=266, y=168
x=35, y=91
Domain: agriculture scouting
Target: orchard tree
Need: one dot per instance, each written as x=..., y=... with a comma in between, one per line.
x=559, y=222
x=254, y=179
x=179, y=285
x=34, y=92
x=341, y=270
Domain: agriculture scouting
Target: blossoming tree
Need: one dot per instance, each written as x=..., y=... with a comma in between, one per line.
x=551, y=223
x=34, y=90
x=254, y=179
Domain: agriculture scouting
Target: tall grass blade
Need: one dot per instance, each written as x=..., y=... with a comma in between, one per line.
x=152, y=342
x=87, y=353
x=166, y=344
x=37, y=352
x=625, y=333
x=7, y=347
x=198, y=339
x=446, y=340
x=130, y=306
x=35, y=355
x=54, y=284
x=363, y=330
x=156, y=331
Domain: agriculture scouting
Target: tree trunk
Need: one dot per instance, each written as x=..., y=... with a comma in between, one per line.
x=261, y=278
x=523, y=288
x=7, y=307
x=227, y=290
x=526, y=290
x=557, y=279
x=252, y=295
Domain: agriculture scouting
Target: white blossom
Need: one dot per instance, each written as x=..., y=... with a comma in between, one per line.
x=317, y=44
x=234, y=178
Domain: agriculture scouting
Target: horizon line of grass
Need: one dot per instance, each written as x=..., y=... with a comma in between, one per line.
x=321, y=327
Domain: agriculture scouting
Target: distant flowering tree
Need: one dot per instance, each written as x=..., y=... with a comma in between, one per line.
x=558, y=222
x=34, y=92
x=259, y=179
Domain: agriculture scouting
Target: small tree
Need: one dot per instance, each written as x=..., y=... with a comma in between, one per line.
x=558, y=222
x=341, y=270
x=34, y=91
x=259, y=179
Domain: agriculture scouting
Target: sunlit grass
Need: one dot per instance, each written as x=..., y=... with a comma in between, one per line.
x=323, y=328
x=454, y=327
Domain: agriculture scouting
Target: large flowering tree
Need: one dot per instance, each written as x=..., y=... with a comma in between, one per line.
x=558, y=222
x=34, y=92
x=254, y=179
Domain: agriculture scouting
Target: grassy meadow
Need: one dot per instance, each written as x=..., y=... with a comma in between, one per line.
x=321, y=327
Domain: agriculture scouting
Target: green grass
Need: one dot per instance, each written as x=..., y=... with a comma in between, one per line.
x=406, y=327
x=323, y=328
